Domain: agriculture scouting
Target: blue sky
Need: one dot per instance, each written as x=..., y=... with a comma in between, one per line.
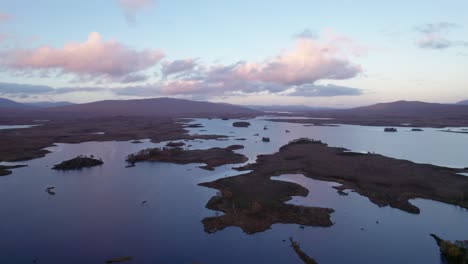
x=412, y=50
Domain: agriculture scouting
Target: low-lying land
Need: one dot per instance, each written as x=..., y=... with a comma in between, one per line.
x=29, y=143
x=212, y=157
x=78, y=163
x=303, y=256
x=6, y=170
x=385, y=181
x=453, y=253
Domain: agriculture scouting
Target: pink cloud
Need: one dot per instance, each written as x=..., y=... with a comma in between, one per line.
x=92, y=58
x=4, y=17
x=132, y=7
x=306, y=63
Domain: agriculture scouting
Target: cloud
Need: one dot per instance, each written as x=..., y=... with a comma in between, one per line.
x=329, y=90
x=26, y=90
x=294, y=71
x=177, y=66
x=5, y=17
x=441, y=27
x=307, y=34
x=14, y=88
x=434, y=41
x=90, y=59
x=307, y=62
x=434, y=36
x=132, y=7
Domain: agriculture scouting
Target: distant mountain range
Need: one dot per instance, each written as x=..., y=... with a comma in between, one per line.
x=287, y=108
x=6, y=103
x=406, y=109
x=169, y=107
x=172, y=107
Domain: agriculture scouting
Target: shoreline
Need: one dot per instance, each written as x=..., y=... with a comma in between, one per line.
x=384, y=181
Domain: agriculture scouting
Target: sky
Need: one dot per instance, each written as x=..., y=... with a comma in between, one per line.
x=316, y=53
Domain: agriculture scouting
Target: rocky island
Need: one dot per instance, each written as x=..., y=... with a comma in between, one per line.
x=241, y=124
x=385, y=181
x=78, y=163
x=212, y=157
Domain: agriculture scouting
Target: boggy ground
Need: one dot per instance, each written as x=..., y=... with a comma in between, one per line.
x=212, y=157
x=452, y=253
x=29, y=143
x=378, y=121
x=254, y=202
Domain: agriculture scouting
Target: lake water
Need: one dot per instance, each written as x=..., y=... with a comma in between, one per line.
x=15, y=126
x=97, y=213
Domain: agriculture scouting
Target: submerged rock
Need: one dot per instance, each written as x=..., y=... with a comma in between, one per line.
x=78, y=163
x=303, y=256
x=265, y=139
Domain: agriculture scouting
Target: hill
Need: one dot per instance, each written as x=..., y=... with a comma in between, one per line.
x=169, y=107
x=465, y=102
x=286, y=108
x=409, y=109
x=6, y=103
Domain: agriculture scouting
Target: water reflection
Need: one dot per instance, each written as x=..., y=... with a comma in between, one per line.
x=97, y=213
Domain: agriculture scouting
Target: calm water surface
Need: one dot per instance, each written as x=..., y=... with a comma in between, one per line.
x=97, y=213
x=16, y=126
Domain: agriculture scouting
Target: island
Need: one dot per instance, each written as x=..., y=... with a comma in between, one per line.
x=175, y=144
x=385, y=181
x=79, y=162
x=241, y=124
x=212, y=157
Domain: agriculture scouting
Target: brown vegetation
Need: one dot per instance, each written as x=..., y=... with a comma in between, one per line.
x=30, y=143
x=212, y=157
x=454, y=253
x=78, y=163
x=385, y=181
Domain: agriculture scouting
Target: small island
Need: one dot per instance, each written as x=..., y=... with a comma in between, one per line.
x=241, y=124
x=390, y=129
x=212, y=157
x=175, y=144
x=79, y=162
